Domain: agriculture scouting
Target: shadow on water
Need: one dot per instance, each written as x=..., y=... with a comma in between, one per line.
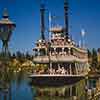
x=68, y=92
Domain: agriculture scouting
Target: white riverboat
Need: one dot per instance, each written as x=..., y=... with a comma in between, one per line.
x=66, y=60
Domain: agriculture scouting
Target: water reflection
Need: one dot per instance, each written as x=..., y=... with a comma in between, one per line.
x=68, y=92
x=17, y=87
x=7, y=78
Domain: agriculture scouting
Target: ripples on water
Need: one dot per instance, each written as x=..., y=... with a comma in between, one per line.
x=24, y=91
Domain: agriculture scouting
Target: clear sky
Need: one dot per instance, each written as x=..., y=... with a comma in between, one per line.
x=83, y=14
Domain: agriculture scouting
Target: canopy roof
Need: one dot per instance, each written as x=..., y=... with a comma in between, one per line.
x=5, y=20
x=57, y=29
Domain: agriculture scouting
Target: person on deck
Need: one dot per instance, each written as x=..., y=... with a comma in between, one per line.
x=63, y=71
x=59, y=70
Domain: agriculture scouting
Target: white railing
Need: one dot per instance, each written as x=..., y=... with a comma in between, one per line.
x=66, y=58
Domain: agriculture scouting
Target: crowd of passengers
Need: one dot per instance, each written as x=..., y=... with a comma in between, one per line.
x=60, y=70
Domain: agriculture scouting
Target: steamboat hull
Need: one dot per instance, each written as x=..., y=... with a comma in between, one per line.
x=55, y=80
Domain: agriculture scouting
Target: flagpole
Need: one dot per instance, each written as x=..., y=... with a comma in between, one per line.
x=50, y=25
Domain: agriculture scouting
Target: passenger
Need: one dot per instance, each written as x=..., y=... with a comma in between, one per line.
x=63, y=71
x=53, y=71
x=50, y=71
x=58, y=71
x=34, y=71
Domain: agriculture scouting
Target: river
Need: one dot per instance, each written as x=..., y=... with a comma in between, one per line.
x=23, y=90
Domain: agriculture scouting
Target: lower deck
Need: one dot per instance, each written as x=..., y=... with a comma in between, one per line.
x=69, y=68
x=55, y=80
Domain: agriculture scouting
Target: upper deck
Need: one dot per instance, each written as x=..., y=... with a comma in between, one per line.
x=58, y=49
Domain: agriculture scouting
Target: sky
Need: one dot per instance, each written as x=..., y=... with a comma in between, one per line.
x=83, y=14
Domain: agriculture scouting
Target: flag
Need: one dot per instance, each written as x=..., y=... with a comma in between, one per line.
x=49, y=17
x=83, y=32
x=79, y=43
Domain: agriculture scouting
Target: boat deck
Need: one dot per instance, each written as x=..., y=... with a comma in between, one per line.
x=58, y=75
x=55, y=80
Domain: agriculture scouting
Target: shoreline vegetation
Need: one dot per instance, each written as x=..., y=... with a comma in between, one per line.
x=17, y=62
x=94, y=61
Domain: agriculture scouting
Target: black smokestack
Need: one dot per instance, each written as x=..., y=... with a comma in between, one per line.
x=42, y=11
x=66, y=18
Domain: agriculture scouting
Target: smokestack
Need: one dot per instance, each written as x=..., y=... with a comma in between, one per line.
x=66, y=18
x=42, y=11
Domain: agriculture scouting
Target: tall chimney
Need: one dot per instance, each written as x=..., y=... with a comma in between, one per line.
x=42, y=11
x=66, y=18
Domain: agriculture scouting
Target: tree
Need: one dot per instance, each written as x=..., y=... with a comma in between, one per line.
x=94, y=63
x=28, y=56
x=20, y=56
x=98, y=50
x=98, y=58
x=13, y=55
x=89, y=56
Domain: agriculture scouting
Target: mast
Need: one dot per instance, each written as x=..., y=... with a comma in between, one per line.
x=66, y=18
x=50, y=25
x=42, y=11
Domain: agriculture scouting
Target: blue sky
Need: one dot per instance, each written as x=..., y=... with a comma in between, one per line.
x=83, y=14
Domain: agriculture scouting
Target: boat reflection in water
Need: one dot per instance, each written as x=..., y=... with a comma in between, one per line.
x=68, y=92
x=85, y=89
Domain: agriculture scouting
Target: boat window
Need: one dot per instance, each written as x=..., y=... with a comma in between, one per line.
x=42, y=52
x=52, y=49
x=58, y=50
x=66, y=49
x=71, y=51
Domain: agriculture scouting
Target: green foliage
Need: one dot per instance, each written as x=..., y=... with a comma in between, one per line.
x=98, y=50
x=89, y=53
x=13, y=56
x=94, y=58
x=39, y=67
x=89, y=56
x=4, y=56
x=20, y=56
x=28, y=56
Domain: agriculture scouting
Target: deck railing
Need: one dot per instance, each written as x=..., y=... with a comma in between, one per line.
x=58, y=58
